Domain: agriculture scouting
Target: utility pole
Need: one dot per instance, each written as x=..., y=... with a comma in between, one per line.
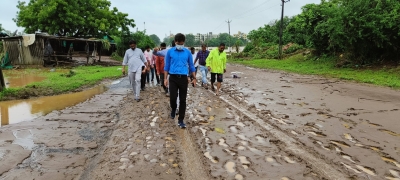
x=229, y=27
x=281, y=30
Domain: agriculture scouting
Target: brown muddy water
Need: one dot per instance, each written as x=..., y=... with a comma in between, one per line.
x=24, y=110
x=21, y=78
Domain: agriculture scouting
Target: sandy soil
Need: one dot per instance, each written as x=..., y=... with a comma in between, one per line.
x=265, y=125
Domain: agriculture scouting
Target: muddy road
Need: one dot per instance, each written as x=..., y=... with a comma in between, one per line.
x=265, y=125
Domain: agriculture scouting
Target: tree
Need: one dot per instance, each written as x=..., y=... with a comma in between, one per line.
x=224, y=38
x=91, y=18
x=143, y=40
x=168, y=40
x=190, y=40
x=155, y=39
x=1, y=28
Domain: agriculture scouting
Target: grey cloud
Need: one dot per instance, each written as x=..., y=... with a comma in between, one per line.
x=204, y=16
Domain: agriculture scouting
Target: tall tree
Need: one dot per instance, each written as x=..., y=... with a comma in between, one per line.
x=71, y=18
x=190, y=40
x=155, y=39
x=143, y=40
x=1, y=28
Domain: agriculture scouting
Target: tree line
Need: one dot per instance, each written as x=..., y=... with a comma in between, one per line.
x=211, y=42
x=362, y=31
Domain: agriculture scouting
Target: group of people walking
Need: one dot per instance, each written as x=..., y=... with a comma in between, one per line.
x=174, y=69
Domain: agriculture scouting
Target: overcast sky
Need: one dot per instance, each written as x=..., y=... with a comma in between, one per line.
x=188, y=16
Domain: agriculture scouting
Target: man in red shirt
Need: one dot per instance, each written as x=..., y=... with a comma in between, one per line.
x=160, y=68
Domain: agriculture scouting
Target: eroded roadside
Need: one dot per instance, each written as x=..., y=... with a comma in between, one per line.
x=62, y=144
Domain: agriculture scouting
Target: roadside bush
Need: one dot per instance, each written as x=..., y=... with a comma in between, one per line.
x=293, y=48
x=367, y=31
x=116, y=56
x=248, y=47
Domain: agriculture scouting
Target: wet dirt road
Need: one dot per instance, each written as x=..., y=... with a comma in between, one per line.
x=265, y=125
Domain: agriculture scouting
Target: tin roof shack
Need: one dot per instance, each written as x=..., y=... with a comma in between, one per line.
x=43, y=49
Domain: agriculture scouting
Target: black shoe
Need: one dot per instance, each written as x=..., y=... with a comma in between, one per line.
x=137, y=100
x=181, y=124
x=172, y=114
x=142, y=89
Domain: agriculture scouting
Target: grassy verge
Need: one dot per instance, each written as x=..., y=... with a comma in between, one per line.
x=389, y=77
x=61, y=82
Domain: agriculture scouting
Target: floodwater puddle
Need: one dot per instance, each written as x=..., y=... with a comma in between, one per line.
x=222, y=143
x=395, y=173
x=25, y=110
x=288, y=160
x=391, y=160
x=367, y=170
x=390, y=132
x=24, y=139
x=349, y=137
x=243, y=160
x=242, y=137
x=348, y=157
x=20, y=78
x=233, y=129
x=213, y=159
x=262, y=140
x=340, y=143
x=351, y=168
x=256, y=151
x=203, y=131
x=230, y=167
x=238, y=177
x=229, y=152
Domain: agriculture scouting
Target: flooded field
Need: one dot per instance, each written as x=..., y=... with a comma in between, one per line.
x=25, y=110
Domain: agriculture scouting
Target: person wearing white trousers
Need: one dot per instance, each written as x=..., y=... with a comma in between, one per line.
x=134, y=59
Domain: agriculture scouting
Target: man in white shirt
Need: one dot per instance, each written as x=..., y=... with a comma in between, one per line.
x=194, y=54
x=150, y=70
x=136, y=62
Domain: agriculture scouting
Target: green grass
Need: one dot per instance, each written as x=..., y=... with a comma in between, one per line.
x=389, y=77
x=62, y=82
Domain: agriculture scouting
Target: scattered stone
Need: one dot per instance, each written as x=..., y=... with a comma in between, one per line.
x=124, y=160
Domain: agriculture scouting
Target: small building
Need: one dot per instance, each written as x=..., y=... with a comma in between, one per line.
x=41, y=49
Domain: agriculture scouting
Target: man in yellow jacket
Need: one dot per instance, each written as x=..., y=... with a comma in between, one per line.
x=216, y=64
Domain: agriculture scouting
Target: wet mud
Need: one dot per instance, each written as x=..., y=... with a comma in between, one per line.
x=265, y=125
x=351, y=126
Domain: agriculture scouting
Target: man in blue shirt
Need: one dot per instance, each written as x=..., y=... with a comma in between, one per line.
x=177, y=61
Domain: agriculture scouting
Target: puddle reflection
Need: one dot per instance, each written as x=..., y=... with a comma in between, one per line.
x=24, y=110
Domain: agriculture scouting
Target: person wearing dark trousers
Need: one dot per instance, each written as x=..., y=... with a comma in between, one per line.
x=177, y=61
x=216, y=64
x=160, y=67
x=143, y=79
